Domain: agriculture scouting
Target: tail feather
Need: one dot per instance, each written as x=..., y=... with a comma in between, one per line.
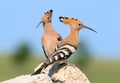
x=40, y=69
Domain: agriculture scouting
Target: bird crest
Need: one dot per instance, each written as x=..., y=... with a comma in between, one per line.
x=48, y=13
x=67, y=20
x=75, y=22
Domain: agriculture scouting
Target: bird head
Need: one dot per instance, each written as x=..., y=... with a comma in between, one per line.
x=74, y=23
x=46, y=17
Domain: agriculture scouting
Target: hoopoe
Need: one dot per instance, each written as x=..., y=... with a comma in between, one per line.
x=50, y=37
x=67, y=46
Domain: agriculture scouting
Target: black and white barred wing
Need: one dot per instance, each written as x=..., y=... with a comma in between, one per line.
x=61, y=53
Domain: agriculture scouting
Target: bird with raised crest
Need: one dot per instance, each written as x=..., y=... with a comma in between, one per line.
x=50, y=37
x=66, y=47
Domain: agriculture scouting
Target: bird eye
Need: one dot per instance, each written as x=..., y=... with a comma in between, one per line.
x=79, y=24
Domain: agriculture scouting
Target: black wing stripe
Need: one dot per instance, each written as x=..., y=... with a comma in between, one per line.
x=67, y=45
x=72, y=48
x=61, y=55
x=44, y=52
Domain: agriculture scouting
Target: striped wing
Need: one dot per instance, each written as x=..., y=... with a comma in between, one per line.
x=61, y=53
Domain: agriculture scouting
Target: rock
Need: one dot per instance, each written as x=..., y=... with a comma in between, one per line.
x=40, y=78
x=65, y=73
x=58, y=73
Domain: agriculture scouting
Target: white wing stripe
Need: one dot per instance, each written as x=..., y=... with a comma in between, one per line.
x=56, y=57
x=61, y=55
x=69, y=47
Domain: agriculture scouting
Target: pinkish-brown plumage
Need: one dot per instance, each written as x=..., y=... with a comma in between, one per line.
x=67, y=46
x=50, y=37
x=75, y=27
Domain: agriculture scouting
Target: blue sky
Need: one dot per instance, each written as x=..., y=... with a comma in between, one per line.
x=18, y=20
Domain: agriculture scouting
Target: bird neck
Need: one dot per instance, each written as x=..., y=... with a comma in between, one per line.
x=74, y=33
x=48, y=27
x=73, y=36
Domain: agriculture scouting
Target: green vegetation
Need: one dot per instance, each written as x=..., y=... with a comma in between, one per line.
x=21, y=54
x=97, y=71
x=104, y=72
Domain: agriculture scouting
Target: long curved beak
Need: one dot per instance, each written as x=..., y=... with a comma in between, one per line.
x=89, y=28
x=39, y=24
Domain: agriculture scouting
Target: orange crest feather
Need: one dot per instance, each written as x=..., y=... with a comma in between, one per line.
x=67, y=20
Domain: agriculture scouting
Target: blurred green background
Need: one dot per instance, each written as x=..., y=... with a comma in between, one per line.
x=22, y=61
